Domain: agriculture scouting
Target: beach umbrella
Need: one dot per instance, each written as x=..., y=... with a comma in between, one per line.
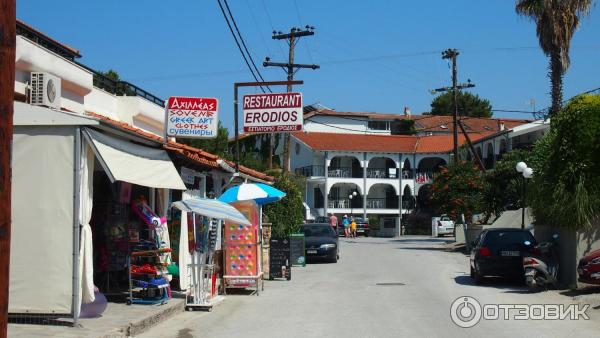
x=258, y=192
x=212, y=208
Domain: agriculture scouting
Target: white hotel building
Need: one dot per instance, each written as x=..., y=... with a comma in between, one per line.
x=361, y=154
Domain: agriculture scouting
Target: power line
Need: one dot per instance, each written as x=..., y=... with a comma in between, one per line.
x=244, y=43
x=238, y=43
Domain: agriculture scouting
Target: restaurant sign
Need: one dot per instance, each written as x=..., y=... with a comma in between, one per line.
x=192, y=117
x=272, y=113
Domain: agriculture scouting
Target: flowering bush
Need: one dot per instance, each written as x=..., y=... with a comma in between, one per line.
x=458, y=189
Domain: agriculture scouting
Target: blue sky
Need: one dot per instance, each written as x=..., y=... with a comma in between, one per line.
x=375, y=55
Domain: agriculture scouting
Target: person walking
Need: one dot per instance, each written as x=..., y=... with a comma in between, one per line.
x=353, y=226
x=346, y=224
x=333, y=221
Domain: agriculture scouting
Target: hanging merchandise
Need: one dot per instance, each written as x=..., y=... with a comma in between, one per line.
x=141, y=208
x=148, y=258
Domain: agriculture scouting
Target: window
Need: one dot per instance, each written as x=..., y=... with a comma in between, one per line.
x=379, y=125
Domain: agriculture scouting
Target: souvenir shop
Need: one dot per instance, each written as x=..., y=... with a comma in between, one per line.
x=132, y=259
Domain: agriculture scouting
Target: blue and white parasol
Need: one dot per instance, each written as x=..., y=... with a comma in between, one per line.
x=258, y=192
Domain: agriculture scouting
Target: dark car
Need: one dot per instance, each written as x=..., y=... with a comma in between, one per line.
x=321, y=241
x=589, y=268
x=362, y=227
x=499, y=252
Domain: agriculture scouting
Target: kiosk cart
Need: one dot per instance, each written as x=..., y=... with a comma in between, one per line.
x=203, y=219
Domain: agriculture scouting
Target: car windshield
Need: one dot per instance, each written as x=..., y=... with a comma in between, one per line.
x=318, y=231
x=508, y=238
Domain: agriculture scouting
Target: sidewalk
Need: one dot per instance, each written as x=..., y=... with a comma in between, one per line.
x=119, y=320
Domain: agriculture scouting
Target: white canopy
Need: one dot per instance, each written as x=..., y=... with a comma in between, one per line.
x=133, y=163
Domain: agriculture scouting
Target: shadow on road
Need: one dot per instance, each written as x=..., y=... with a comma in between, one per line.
x=422, y=240
x=424, y=248
x=590, y=290
x=508, y=284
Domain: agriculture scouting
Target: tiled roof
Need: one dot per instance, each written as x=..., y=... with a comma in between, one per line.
x=194, y=154
x=382, y=143
x=433, y=123
x=444, y=143
x=358, y=142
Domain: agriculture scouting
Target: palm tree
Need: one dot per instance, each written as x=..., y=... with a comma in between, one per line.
x=556, y=22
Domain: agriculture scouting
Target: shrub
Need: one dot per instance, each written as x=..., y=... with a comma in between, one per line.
x=565, y=189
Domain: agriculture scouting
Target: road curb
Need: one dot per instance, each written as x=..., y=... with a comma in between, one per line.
x=143, y=324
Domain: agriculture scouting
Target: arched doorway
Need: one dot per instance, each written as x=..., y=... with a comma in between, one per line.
x=381, y=167
x=408, y=200
x=345, y=166
x=339, y=196
x=382, y=196
x=407, y=172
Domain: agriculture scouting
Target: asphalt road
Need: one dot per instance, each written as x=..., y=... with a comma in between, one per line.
x=379, y=288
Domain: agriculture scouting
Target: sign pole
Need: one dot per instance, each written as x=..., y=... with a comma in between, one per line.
x=236, y=85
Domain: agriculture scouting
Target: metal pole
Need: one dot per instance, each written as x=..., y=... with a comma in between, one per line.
x=7, y=91
x=76, y=228
x=237, y=131
x=455, y=115
x=523, y=203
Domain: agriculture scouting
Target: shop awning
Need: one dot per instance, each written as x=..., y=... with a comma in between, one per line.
x=213, y=209
x=133, y=163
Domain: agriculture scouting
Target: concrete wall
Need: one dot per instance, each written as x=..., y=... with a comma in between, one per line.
x=573, y=245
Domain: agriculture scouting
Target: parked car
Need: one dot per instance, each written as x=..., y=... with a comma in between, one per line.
x=589, y=268
x=499, y=252
x=321, y=241
x=445, y=226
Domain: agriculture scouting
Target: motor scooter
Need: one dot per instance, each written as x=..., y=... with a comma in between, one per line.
x=540, y=263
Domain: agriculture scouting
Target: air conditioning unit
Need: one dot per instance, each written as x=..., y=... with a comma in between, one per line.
x=45, y=90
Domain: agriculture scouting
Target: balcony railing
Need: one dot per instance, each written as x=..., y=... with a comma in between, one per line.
x=381, y=173
x=339, y=172
x=424, y=177
x=382, y=203
x=336, y=203
x=311, y=171
x=407, y=174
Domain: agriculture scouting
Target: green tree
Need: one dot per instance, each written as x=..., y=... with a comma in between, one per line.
x=468, y=105
x=458, y=189
x=287, y=214
x=503, y=184
x=556, y=22
x=217, y=146
x=565, y=189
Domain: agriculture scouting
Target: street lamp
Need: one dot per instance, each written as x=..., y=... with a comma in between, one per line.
x=527, y=174
x=351, y=196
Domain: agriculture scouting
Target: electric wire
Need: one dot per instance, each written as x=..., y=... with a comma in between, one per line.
x=238, y=44
x=244, y=44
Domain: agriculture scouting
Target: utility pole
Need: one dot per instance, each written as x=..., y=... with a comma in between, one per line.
x=7, y=91
x=452, y=54
x=290, y=68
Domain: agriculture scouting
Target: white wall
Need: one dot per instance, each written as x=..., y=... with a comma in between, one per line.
x=333, y=124
x=304, y=157
x=76, y=82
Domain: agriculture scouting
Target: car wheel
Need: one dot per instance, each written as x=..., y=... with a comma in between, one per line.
x=472, y=273
x=334, y=259
x=366, y=234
